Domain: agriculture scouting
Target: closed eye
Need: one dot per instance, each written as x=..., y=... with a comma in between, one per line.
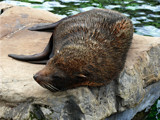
x=57, y=77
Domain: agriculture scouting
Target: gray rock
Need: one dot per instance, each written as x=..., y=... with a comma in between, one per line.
x=22, y=98
x=152, y=93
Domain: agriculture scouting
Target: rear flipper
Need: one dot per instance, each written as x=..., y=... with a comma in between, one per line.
x=40, y=58
x=43, y=57
x=46, y=27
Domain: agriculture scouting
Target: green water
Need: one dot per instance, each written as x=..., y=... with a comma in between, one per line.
x=151, y=114
x=145, y=15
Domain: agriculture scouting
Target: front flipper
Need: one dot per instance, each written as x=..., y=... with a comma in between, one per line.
x=40, y=58
x=39, y=62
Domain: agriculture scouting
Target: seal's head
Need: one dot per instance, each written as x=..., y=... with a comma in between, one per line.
x=72, y=67
x=55, y=79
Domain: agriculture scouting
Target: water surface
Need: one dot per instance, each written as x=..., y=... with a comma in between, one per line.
x=145, y=14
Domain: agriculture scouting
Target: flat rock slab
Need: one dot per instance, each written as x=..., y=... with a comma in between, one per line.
x=15, y=38
x=22, y=98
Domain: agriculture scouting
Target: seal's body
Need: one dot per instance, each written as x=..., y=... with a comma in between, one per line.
x=87, y=49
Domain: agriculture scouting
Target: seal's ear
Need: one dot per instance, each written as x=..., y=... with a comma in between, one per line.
x=81, y=76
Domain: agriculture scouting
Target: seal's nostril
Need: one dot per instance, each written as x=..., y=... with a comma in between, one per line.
x=35, y=77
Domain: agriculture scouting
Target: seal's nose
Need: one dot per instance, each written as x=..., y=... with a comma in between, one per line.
x=35, y=77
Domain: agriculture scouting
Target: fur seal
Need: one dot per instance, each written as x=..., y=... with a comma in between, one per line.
x=87, y=49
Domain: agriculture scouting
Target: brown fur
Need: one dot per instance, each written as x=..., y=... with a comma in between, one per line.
x=89, y=50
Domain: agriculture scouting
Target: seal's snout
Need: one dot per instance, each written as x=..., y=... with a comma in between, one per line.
x=35, y=77
x=44, y=82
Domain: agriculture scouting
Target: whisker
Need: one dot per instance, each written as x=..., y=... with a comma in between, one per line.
x=52, y=86
x=42, y=84
x=48, y=87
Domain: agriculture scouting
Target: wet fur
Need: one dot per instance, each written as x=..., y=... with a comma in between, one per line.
x=87, y=49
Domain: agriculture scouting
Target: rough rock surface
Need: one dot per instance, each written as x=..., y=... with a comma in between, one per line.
x=22, y=98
